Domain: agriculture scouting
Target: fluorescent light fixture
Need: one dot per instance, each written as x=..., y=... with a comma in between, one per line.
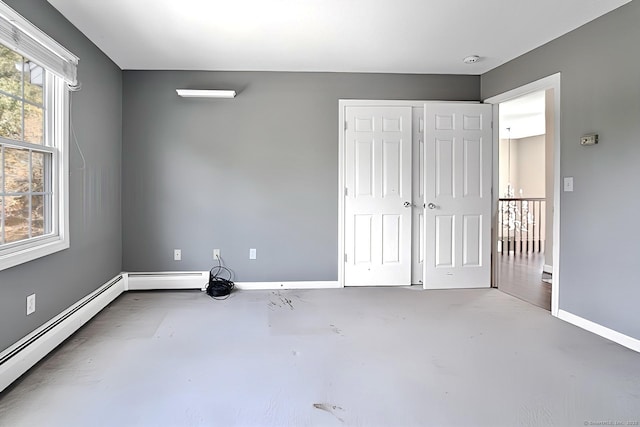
x=206, y=93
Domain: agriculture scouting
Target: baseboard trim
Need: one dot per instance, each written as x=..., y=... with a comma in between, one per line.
x=603, y=331
x=198, y=279
x=20, y=357
x=547, y=269
x=288, y=285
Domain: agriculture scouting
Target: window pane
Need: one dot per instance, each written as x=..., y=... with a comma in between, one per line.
x=10, y=71
x=10, y=117
x=38, y=171
x=16, y=170
x=33, y=124
x=38, y=209
x=16, y=218
x=33, y=82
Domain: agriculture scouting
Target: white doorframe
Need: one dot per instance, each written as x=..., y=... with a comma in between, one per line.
x=550, y=82
x=342, y=106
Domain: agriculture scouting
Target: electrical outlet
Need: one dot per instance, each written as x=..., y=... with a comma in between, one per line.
x=177, y=255
x=31, y=304
x=216, y=254
x=253, y=253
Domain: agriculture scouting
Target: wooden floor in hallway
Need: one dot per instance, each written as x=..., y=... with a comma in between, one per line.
x=521, y=275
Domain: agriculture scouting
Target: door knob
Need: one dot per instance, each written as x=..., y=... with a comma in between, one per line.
x=407, y=204
x=431, y=206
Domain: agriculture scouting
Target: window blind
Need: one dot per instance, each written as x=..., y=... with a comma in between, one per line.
x=25, y=38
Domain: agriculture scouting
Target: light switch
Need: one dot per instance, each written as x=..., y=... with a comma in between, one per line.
x=568, y=183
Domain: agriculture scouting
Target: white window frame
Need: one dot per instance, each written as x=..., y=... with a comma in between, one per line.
x=56, y=135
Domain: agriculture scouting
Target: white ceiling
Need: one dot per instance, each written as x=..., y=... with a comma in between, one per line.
x=523, y=117
x=396, y=36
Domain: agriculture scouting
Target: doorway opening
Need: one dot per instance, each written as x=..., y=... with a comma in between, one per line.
x=525, y=188
x=526, y=193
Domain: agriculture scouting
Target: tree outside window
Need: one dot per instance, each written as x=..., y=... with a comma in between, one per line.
x=25, y=189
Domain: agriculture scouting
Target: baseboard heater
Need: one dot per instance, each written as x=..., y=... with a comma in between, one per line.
x=166, y=280
x=20, y=357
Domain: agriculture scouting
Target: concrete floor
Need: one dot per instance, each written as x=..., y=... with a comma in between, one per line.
x=355, y=357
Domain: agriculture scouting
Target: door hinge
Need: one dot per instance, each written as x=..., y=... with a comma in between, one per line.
x=346, y=191
x=345, y=257
x=346, y=125
x=491, y=125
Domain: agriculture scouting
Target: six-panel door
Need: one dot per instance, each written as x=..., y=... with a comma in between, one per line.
x=458, y=144
x=378, y=196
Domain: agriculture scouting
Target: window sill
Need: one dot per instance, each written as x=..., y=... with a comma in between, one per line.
x=20, y=256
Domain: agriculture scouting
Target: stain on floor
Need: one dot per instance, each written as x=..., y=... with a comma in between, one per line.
x=278, y=300
x=332, y=409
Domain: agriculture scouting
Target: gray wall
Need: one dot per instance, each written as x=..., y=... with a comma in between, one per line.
x=600, y=92
x=95, y=255
x=259, y=171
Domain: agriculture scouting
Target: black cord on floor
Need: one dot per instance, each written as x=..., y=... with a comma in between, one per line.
x=220, y=287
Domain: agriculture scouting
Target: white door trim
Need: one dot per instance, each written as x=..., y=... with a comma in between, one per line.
x=550, y=82
x=342, y=106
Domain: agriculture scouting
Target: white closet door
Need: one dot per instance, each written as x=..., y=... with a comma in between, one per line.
x=458, y=143
x=378, y=196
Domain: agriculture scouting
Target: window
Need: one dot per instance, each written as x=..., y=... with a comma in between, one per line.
x=25, y=178
x=34, y=111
